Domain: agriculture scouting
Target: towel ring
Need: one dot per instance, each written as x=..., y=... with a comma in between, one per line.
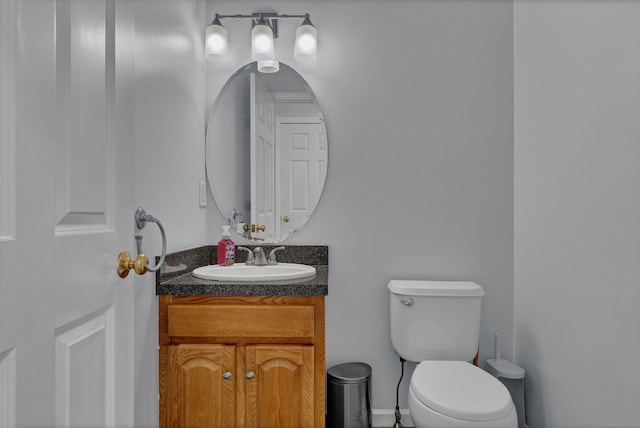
x=142, y=218
x=140, y=264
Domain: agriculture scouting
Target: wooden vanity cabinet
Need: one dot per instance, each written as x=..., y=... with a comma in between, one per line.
x=245, y=362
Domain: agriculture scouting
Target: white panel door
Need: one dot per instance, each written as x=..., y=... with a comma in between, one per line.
x=302, y=148
x=262, y=159
x=66, y=211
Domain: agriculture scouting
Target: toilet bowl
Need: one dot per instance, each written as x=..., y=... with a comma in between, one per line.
x=448, y=394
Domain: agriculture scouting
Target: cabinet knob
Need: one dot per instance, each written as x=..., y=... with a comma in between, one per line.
x=250, y=375
x=227, y=375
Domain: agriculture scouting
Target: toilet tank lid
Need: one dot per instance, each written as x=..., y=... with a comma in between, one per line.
x=435, y=288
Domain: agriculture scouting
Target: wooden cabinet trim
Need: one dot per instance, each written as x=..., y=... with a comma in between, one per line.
x=233, y=320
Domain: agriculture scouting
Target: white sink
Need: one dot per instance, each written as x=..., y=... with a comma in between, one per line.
x=252, y=273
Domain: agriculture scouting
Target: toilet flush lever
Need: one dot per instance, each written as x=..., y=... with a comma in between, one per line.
x=407, y=301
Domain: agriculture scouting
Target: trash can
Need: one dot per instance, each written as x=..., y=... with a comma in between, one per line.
x=349, y=396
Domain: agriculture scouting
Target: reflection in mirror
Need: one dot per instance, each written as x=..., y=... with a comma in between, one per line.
x=266, y=153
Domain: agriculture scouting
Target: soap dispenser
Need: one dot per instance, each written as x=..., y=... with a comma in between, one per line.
x=226, y=248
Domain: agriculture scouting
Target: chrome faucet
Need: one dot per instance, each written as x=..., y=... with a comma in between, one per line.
x=257, y=257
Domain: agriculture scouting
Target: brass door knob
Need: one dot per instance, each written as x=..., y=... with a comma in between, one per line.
x=285, y=219
x=126, y=263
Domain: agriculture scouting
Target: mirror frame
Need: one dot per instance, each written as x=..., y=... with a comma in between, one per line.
x=237, y=193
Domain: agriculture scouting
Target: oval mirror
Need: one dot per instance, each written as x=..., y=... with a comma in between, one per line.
x=266, y=153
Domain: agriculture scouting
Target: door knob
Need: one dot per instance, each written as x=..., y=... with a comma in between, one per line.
x=125, y=263
x=254, y=228
x=285, y=219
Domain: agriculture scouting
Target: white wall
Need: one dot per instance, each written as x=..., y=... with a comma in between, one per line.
x=418, y=99
x=169, y=160
x=577, y=211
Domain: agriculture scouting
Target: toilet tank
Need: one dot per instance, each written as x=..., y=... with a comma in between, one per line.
x=435, y=320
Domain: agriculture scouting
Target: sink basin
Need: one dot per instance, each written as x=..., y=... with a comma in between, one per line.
x=251, y=273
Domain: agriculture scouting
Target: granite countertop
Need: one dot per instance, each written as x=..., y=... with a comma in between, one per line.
x=175, y=276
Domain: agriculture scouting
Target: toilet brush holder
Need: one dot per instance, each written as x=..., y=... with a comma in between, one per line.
x=512, y=376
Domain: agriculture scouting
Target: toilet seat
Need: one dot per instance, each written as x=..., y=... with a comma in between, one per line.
x=460, y=390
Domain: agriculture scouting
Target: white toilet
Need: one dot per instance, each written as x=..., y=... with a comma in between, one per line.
x=437, y=323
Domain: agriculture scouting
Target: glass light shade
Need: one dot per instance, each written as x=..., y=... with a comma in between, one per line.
x=306, y=45
x=216, y=45
x=262, y=48
x=268, y=66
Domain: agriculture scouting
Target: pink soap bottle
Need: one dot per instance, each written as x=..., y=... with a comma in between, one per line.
x=226, y=248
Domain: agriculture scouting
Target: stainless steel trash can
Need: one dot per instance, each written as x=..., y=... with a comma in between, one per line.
x=349, y=396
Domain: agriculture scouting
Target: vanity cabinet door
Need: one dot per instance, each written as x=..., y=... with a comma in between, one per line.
x=201, y=386
x=279, y=387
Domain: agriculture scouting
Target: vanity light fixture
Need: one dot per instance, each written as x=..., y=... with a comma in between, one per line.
x=216, y=44
x=306, y=45
x=262, y=47
x=263, y=33
x=271, y=66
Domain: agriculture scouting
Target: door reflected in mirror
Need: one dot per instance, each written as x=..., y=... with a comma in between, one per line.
x=266, y=153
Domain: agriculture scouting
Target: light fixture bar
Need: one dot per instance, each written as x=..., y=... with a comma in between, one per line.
x=271, y=18
x=265, y=15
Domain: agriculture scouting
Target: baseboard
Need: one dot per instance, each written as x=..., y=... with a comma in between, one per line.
x=386, y=417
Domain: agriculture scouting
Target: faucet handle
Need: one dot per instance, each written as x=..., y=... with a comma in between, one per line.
x=272, y=255
x=250, y=258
